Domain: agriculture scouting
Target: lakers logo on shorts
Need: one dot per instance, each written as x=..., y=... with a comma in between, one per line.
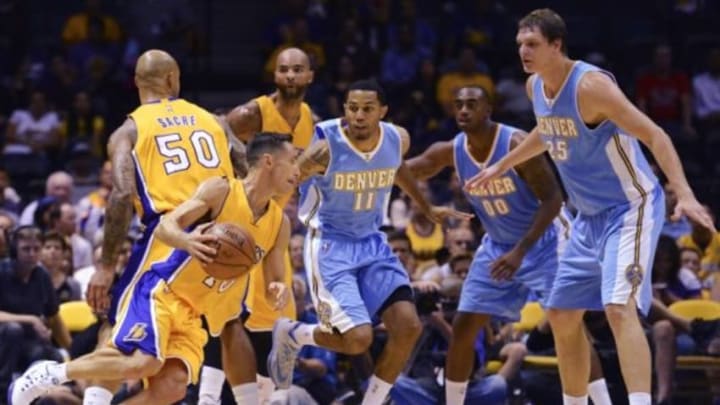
x=137, y=333
x=634, y=275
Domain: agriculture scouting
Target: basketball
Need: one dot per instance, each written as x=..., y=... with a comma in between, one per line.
x=235, y=251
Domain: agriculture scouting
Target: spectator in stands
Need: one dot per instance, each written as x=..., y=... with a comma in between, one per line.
x=664, y=94
x=344, y=75
x=91, y=208
x=706, y=242
x=400, y=62
x=671, y=282
x=84, y=125
x=706, y=87
x=690, y=259
x=82, y=53
x=352, y=42
x=63, y=220
x=425, y=35
x=59, y=186
x=673, y=229
x=297, y=243
x=83, y=275
x=7, y=224
x=77, y=27
x=426, y=236
x=512, y=104
x=52, y=257
x=9, y=198
x=402, y=247
x=31, y=137
x=59, y=81
x=298, y=37
x=458, y=241
x=28, y=308
x=466, y=74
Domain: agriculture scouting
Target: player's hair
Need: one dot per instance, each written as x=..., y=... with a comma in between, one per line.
x=550, y=24
x=265, y=142
x=486, y=94
x=368, y=85
x=399, y=235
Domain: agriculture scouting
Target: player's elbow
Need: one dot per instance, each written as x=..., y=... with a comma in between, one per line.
x=120, y=196
x=554, y=201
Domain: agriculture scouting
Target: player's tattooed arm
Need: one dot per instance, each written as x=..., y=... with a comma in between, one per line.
x=245, y=120
x=538, y=174
x=437, y=157
x=119, y=211
x=314, y=160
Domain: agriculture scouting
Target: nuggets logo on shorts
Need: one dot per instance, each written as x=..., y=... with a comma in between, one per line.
x=324, y=312
x=137, y=333
x=634, y=274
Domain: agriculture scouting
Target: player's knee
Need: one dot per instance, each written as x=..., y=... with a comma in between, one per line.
x=466, y=326
x=171, y=383
x=411, y=330
x=618, y=315
x=140, y=366
x=358, y=340
x=663, y=331
x=563, y=321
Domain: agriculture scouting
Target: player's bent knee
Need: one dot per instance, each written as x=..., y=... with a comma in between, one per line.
x=139, y=366
x=561, y=319
x=466, y=326
x=358, y=339
x=171, y=382
x=618, y=315
x=663, y=330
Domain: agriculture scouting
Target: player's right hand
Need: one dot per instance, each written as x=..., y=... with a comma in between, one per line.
x=201, y=245
x=489, y=173
x=439, y=213
x=98, y=292
x=696, y=212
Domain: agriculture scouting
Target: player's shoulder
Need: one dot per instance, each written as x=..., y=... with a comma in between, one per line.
x=517, y=135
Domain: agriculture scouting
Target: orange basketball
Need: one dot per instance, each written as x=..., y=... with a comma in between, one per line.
x=235, y=251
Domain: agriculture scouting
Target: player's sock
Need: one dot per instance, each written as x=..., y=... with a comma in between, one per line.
x=58, y=371
x=246, y=393
x=377, y=391
x=97, y=396
x=265, y=389
x=303, y=333
x=570, y=400
x=599, y=393
x=455, y=392
x=639, y=398
x=211, y=383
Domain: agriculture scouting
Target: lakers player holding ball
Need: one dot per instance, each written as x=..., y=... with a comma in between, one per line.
x=161, y=317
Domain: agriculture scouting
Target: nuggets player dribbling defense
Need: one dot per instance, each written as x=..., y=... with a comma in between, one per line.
x=160, y=317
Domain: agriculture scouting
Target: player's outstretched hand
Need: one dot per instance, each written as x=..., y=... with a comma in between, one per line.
x=278, y=295
x=201, y=245
x=691, y=208
x=485, y=175
x=505, y=266
x=98, y=293
x=439, y=213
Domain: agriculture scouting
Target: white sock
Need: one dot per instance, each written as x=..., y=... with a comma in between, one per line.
x=599, y=393
x=376, y=392
x=303, y=334
x=211, y=383
x=97, y=396
x=569, y=400
x=246, y=393
x=58, y=371
x=639, y=398
x=265, y=389
x=455, y=392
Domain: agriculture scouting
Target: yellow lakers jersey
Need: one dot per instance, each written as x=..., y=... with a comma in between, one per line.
x=179, y=145
x=425, y=247
x=272, y=121
x=221, y=300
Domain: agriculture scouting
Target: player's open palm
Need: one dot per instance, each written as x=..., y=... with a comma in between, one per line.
x=278, y=295
x=691, y=208
x=505, y=266
x=489, y=173
x=439, y=213
x=98, y=293
x=200, y=245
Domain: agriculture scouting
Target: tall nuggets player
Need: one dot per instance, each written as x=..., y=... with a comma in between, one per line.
x=282, y=111
x=164, y=141
x=519, y=253
x=354, y=276
x=159, y=319
x=591, y=131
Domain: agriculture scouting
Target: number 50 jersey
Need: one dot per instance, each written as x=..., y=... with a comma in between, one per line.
x=179, y=145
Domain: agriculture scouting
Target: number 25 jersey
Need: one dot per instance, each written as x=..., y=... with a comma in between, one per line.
x=179, y=145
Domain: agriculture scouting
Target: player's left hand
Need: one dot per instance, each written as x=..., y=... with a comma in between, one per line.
x=439, y=213
x=278, y=295
x=504, y=268
x=691, y=208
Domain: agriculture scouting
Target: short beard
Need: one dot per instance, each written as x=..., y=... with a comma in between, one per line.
x=299, y=93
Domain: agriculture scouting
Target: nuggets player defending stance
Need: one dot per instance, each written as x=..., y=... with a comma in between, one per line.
x=353, y=274
x=591, y=130
x=282, y=111
x=160, y=316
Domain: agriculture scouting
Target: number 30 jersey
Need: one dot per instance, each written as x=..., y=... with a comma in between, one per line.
x=506, y=206
x=179, y=145
x=350, y=200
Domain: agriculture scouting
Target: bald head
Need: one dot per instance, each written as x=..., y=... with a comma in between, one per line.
x=157, y=72
x=293, y=73
x=59, y=185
